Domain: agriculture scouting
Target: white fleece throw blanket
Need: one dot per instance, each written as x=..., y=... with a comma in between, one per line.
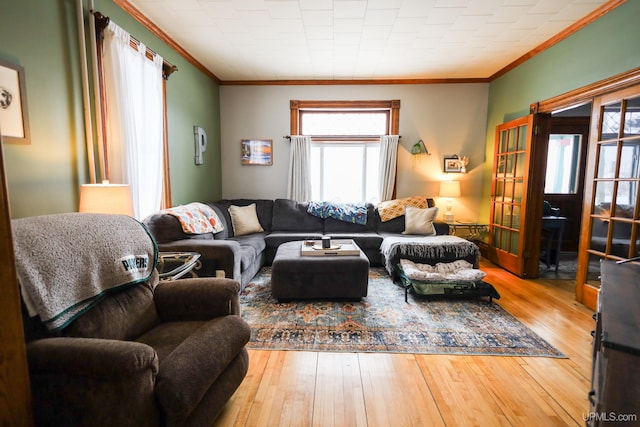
x=459, y=271
x=66, y=263
x=433, y=247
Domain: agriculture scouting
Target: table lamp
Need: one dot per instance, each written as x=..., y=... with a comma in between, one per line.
x=106, y=198
x=449, y=190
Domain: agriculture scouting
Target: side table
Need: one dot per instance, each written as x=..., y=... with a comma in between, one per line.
x=475, y=231
x=174, y=265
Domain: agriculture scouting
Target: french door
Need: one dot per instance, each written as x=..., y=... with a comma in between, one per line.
x=611, y=211
x=517, y=187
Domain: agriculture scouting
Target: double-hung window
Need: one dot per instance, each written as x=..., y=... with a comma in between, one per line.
x=345, y=146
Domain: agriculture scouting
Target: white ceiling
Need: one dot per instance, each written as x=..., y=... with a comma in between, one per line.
x=360, y=39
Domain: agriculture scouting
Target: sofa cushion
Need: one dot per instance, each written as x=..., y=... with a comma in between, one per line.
x=251, y=246
x=122, y=316
x=190, y=369
x=365, y=240
x=277, y=238
x=290, y=215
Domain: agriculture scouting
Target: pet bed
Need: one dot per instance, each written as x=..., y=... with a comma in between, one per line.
x=451, y=279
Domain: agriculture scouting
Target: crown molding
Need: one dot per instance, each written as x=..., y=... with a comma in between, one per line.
x=593, y=16
x=570, y=30
x=325, y=82
x=149, y=25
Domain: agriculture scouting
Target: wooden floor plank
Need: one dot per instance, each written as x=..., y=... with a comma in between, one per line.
x=461, y=397
x=549, y=308
x=236, y=411
x=526, y=402
x=562, y=382
x=395, y=391
x=339, y=399
x=291, y=388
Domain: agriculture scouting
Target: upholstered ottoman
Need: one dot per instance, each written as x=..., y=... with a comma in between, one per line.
x=296, y=276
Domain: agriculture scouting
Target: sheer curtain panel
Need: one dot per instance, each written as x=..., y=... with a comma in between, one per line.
x=299, y=187
x=388, y=158
x=134, y=127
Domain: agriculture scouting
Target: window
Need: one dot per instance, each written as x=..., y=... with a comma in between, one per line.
x=345, y=146
x=345, y=171
x=563, y=161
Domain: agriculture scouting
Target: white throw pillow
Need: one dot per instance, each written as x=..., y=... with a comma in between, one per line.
x=420, y=221
x=245, y=220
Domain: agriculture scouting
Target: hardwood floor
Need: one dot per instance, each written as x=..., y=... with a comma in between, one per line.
x=295, y=388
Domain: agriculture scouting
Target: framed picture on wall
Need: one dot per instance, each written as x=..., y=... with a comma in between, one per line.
x=256, y=152
x=14, y=123
x=452, y=164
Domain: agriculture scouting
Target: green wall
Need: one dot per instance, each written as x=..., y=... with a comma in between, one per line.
x=44, y=177
x=606, y=47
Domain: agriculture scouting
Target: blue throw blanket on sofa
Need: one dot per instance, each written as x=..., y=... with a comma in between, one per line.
x=355, y=213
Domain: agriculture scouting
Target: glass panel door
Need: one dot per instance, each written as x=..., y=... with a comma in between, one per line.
x=509, y=195
x=611, y=218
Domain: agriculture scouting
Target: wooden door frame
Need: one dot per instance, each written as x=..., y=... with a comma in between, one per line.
x=586, y=294
x=535, y=197
x=15, y=391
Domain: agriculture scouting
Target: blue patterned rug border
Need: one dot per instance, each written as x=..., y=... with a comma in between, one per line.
x=383, y=322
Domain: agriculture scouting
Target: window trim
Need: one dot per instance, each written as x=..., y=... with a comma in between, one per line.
x=393, y=106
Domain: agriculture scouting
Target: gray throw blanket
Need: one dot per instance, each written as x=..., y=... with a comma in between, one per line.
x=66, y=263
x=432, y=247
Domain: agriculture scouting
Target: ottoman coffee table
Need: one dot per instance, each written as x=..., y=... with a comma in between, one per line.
x=326, y=274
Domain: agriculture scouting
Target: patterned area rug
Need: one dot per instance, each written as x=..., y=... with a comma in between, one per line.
x=383, y=322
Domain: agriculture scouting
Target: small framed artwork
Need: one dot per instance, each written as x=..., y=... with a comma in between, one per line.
x=452, y=164
x=257, y=152
x=14, y=123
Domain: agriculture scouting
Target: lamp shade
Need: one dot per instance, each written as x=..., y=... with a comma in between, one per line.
x=106, y=198
x=450, y=189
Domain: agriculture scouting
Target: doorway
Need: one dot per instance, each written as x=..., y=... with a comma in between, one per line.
x=564, y=191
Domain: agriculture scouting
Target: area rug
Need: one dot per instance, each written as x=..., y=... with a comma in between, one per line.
x=384, y=322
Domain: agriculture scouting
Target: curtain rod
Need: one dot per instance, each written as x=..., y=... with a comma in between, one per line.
x=370, y=136
x=102, y=22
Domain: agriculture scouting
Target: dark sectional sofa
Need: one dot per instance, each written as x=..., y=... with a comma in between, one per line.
x=283, y=220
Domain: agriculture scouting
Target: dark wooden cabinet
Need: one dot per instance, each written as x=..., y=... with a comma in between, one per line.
x=615, y=394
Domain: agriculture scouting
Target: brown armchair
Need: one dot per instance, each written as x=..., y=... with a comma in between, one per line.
x=169, y=353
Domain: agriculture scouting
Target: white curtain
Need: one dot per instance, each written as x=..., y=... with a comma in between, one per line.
x=387, y=169
x=299, y=187
x=134, y=136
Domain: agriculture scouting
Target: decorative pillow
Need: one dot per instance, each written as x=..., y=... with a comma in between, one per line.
x=420, y=221
x=394, y=208
x=245, y=220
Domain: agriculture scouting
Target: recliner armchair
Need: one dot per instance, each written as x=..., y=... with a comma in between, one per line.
x=169, y=353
